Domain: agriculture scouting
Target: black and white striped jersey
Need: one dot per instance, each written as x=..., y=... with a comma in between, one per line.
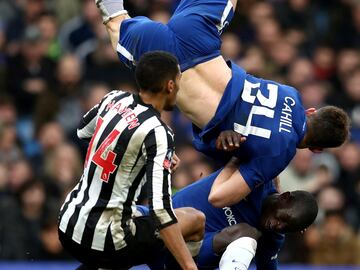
x=129, y=145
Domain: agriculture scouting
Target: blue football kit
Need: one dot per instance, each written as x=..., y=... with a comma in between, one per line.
x=247, y=210
x=269, y=114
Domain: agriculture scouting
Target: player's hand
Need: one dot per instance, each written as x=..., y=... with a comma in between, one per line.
x=175, y=162
x=229, y=140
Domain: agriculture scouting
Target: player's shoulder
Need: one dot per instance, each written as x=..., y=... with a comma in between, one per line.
x=114, y=95
x=117, y=93
x=164, y=128
x=154, y=125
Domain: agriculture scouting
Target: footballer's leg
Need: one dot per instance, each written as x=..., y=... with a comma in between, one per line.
x=133, y=37
x=191, y=222
x=237, y=244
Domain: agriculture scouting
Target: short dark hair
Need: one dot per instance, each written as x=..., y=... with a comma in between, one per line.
x=304, y=210
x=154, y=69
x=328, y=127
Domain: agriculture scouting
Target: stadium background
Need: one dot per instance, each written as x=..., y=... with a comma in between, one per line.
x=56, y=62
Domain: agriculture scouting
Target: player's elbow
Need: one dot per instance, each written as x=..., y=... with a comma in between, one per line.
x=216, y=200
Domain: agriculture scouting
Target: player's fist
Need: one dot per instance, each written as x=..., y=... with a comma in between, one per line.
x=110, y=9
x=175, y=162
x=229, y=140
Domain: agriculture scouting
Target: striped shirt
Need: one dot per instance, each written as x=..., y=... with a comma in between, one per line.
x=129, y=145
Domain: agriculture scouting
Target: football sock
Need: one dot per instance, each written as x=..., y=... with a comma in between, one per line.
x=238, y=254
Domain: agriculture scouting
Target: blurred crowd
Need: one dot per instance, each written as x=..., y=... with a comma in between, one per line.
x=56, y=62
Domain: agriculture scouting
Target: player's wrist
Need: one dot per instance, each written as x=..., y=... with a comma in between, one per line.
x=110, y=9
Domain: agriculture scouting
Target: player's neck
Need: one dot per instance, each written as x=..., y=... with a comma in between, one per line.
x=303, y=144
x=155, y=100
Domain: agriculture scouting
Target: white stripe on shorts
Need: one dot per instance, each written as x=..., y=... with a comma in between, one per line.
x=124, y=52
x=226, y=12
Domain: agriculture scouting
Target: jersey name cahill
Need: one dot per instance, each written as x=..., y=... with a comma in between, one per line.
x=286, y=115
x=269, y=114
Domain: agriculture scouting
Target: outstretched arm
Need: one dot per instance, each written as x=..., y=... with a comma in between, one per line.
x=113, y=14
x=156, y=147
x=113, y=29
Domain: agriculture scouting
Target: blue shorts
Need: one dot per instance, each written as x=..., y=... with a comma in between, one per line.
x=192, y=34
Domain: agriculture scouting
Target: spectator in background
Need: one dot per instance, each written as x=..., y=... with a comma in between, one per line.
x=50, y=136
x=230, y=46
x=78, y=34
x=314, y=93
x=3, y=56
x=93, y=94
x=64, y=168
x=301, y=71
x=9, y=149
x=254, y=61
x=330, y=199
x=26, y=14
x=51, y=248
x=47, y=24
x=24, y=219
x=20, y=172
x=352, y=89
x=349, y=180
x=69, y=76
x=347, y=60
x=304, y=174
x=4, y=178
x=29, y=73
x=333, y=242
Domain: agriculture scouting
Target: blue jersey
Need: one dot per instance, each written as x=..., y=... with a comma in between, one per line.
x=269, y=114
x=247, y=210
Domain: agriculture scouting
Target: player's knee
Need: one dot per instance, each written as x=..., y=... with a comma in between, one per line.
x=198, y=221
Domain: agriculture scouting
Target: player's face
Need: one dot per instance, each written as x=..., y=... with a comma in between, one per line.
x=278, y=222
x=173, y=88
x=275, y=213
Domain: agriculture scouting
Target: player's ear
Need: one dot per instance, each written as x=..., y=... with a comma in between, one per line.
x=316, y=150
x=285, y=196
x=170, y=87
x=310, y=111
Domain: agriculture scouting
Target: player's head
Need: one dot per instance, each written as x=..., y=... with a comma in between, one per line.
x=288, y=212
x=158, y=74
x=326, y=127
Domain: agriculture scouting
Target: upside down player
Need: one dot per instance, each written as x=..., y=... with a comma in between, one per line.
x=219, y=96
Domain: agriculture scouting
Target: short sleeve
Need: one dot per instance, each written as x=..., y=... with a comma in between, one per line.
x=264, y=169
